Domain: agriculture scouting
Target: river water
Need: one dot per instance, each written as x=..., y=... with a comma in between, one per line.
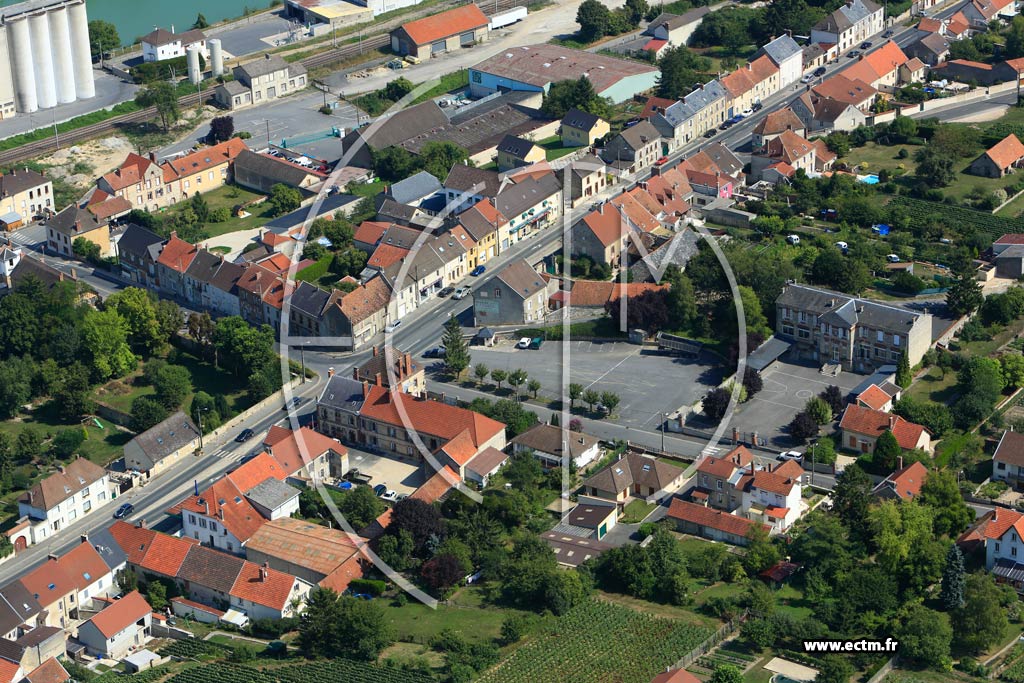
x=135, y=18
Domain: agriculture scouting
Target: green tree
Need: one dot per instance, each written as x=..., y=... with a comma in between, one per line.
x=819, y=410
x=591, y=397
x=575, y=392
x=682, y=301
x=67, y=442
x=284, y=199
x=173, y=384
x=579, y=94
x=903, y=376
x=162, y=96
x=398, y=88
x=360, y=506
x=726, y=673
x=15, y=385
x=498, y=376
x=138, y=310
x=761, y=552
x=953, y=579
x=516, y=379
x=102, y=38
x=396, y=550
x=533, y=386
x=940, y=493
x=964, y=295
x=595, y=20
x=204, y=411
x=105, y=338
x=887, y=451
x=981, y=622
x=394, y=163
x=481, y=372
x=456, y=350
x=834, y=669
x=680, y=69
x=635, y=10
x=333, y=626
x=789, y=15
x=156, y=595
x=147, y=412
x=935, y=166
x=851, y=500
x=200, y=22
x=610, y=401
x=437, y=158
x=85, y=249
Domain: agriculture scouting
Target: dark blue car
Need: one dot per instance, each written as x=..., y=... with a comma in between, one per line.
x=124, y=511
x=478, y=271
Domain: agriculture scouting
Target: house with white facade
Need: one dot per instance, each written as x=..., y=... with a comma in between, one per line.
x=1008, y=460
x=70, y=493
x=1003, y=534
x=773, y=496
x=788, y=56
x=851, y=24
x=118, y=629
x=160, y=44
x=550, y=444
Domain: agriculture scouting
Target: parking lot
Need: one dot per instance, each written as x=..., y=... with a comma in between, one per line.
x=398, y=475
x=787, y=386
x=648, y=383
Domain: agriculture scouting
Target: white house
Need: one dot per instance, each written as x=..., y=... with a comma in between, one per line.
x=1008, y=460
x=68, y=494
x=788, y=56
x=549, y=443
x=160, y=44
x=1004, y=546
x=772, y=497
x=118, y=629
x=848, y=26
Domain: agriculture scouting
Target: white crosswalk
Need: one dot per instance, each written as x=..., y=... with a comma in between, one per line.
x=711, y=451
x=225, y=453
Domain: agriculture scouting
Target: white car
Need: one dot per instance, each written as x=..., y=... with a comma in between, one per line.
x=791, y=455
x=393, y=326
x=807, y=78
x=523, y=343
x=793, y=239
x=843, y=246
x=461, y=293
x=747, y=112
x=390, y=496
x=892, y=258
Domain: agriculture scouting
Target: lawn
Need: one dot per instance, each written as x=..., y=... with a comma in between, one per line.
x=636, y=511
x=553, y=148
x=366, y=189
x=230, y=196
x=934, y=385
x=1014, y=209
x=119, y=394
x=458, y=80
x=416, y=623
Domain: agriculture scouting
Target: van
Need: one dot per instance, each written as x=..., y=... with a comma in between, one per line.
x=793, y=239
x=412, y=59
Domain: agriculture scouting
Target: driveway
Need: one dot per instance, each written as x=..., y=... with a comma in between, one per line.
x=399, y=475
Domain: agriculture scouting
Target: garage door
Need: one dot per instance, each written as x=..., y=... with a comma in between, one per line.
x=467, y=38
x=437, y=47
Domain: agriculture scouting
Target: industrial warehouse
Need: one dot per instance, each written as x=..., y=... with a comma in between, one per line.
x=44, y=55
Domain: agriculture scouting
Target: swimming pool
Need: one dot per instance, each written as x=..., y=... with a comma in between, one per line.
x=869, y=179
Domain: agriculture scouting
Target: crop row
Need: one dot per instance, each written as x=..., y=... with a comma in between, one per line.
x=588, y=644
x=922, y=213
x=191, y=647
x=333, y=671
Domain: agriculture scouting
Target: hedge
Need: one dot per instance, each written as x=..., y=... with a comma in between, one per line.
x=316, y=271
x=367, y=586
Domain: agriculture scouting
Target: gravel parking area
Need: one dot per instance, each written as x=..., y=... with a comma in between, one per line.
x=398, y=475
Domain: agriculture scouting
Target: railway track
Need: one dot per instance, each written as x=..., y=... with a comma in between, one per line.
x=49, y=145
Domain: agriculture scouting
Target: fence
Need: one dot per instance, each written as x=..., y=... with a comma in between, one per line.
x=710, y=642
x=883, y=672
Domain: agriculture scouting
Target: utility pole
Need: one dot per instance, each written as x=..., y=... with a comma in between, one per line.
x=302, y=357
x=56, y=136
x=664, y=426
x=268, y=131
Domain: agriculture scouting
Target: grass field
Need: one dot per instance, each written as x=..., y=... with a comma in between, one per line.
x=230, y=196
x=417, y=623
x=553, y=148
x=636, y=511
x=449, y=83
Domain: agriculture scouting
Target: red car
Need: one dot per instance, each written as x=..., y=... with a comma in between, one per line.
x=659, y=162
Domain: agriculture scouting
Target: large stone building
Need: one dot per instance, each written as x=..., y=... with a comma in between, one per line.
x=261, y=80
x=25, y=193
x=858, y=334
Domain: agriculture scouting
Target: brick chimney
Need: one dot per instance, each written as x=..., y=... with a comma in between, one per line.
x=408, y=363
x=83, y=538
x=377, y=380
x=141, y=524
x=206, y=506
x=60, y=468
x=366, y=389
x=152, y=157
x=892, y=422
x=374, y=351
x=264, y=572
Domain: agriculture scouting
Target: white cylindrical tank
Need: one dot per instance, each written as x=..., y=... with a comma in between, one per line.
x=78, y=23
x=216, y=57
x=42, y=53
x=192, y=60
x=20, y=44
x=64, y=71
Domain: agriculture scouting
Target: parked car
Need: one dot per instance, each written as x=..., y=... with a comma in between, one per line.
x=524, y=343
x=661, y=162
x=390, y=496
x=357, y=477
x=843, y=246
x=294, y=403
x=447, y=291
x=892, y=258
x=853, y=53
x=461, y=293
x=436, y=352
x=412, y=59
x=866, y=45
x=478, y=271
x=793, y=239
x=379, y=490
x=244, y=436
x=727, y=124
x=393, y=326
x=746, y=112
x=396, y=64
x=758, y=106
x=820, y=71
x=945, y=240
x=124, y=511
x=791, y=455
x=711, y=133
x=889, y=34
x=536, y=343
x=807, y=78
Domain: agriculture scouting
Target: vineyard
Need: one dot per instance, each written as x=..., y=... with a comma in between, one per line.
x=1014, y=673
x=333, y=671
x=148, y=676
x=922, y=213
x=591, y=643
x=192, y=649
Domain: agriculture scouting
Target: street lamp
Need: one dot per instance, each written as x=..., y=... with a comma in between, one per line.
x=199, y=417
x=302, y=358
x=664, y=427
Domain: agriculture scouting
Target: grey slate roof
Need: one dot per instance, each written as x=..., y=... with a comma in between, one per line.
x=675, y=21
x=463, y=178
x=414, y=188
x=521, y=278
x=521, y=197
x=517, y=147
x=266, y=166
x=843, y=310
x=262, y=67
x=781, y=49
x=309, y=299
x=20, y=180
x=581, y=120
x=724, y=158
x=677, y=251
x=294, y=219
x=162, y=440
x=204, y=266
x=226, y=277
x=342, y=393
x=640, y=135
x=17, y=605
x=65, y=222
x=136, y=239
x=408, y=123
x=846, y=16
x=271, y=493
x=107, y=548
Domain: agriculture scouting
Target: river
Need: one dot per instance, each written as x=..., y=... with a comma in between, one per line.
x=136, y=18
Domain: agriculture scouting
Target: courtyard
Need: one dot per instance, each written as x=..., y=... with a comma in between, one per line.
x=401, y=476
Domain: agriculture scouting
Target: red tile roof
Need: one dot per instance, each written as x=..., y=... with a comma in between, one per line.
x=873, y=397
x=205, y=159
x=906, y=482
x=431, y=418
x=1011, y=238
x=675, y=676
x=655, y=105
x=366, y=300
x=773, y=482
x=177, y=254
x=451, y=23
x=49, y=671
x=263, y=586
x=789, y=468
x=133, y=540
x=725, y=465
x=929, y=25
x=48, y=582
x=1003, y=520
x=877, y=64
x=84, y=565
x=293, y=450
x=593, y=293
x=129, y=172
x=1006, y=152
x=150, y=550
x=636, y=211
x=845, y=90
x=386, y=255
x=121, y=614
x=9, y=671
x=607, y=224
x=710, y=518
x=873, y=423
x=435, y=487
x=369, y=232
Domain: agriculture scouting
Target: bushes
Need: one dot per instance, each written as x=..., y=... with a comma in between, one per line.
x=368, y=587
